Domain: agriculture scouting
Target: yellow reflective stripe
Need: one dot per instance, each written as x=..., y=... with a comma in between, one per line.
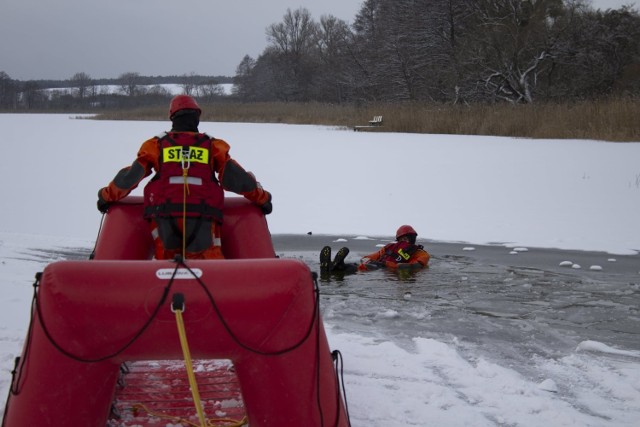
x=196, y=154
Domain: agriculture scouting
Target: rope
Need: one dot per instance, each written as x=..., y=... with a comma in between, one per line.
x=75, y=357
x=93, y=252
x=341, y=390
x=178, y=299
x=315, y=321
x=217, y=422
x=234, y=337
x=185, y=192
x=19, y=362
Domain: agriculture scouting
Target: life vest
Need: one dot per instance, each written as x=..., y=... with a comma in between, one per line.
x=399, y=252
x=164, y=195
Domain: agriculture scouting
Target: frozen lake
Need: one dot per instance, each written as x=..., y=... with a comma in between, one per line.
x=498, y=332
x=505, y=312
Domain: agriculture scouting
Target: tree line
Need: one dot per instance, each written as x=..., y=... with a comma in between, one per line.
x=451, y=51
x=81, y=92
x=444, y=51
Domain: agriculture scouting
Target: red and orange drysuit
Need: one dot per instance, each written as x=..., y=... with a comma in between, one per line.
x=185, y=187
x=398, y=255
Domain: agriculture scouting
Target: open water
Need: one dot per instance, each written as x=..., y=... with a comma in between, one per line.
x=507, y=305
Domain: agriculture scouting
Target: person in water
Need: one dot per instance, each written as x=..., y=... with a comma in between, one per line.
x=403, y=254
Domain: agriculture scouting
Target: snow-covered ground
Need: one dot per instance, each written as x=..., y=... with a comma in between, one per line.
x=515, y=192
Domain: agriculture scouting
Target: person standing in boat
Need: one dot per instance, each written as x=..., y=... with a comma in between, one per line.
x=183, y=201
x=403, y=254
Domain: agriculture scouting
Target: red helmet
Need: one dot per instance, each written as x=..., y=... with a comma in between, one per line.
x=183, y=102
x=404, y=230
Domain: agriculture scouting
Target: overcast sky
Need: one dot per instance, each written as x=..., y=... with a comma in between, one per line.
x=45, y=39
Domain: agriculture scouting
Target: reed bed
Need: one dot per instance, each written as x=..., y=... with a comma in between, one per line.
x=615, y=119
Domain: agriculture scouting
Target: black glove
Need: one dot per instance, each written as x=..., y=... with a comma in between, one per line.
x=103, y=205
x=267, y=207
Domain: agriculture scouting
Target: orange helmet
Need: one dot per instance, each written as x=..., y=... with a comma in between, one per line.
x=183, y=102
x=404, y=230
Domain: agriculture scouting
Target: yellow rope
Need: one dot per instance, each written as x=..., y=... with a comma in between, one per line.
x=184, y=211
x=218, y=422
x=189, y=366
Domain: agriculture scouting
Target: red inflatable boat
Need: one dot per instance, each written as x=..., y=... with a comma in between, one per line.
x=258, y=313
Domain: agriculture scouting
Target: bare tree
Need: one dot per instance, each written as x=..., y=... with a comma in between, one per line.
x=130, y=83
x=515, y=47
x=189, y=83
x=209, y=90
x=295, y=35
x=333, y=39
x=82, y=82
x=293, y=51
x=32, y=95
x=158, y=90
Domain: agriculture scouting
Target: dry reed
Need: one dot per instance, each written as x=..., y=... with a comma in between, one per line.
x=606, y=119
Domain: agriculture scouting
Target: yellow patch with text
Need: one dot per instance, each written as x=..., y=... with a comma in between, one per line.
x=195, y=155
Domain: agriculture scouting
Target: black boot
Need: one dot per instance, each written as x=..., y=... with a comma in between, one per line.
x=325, y=260
x=338, y=261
